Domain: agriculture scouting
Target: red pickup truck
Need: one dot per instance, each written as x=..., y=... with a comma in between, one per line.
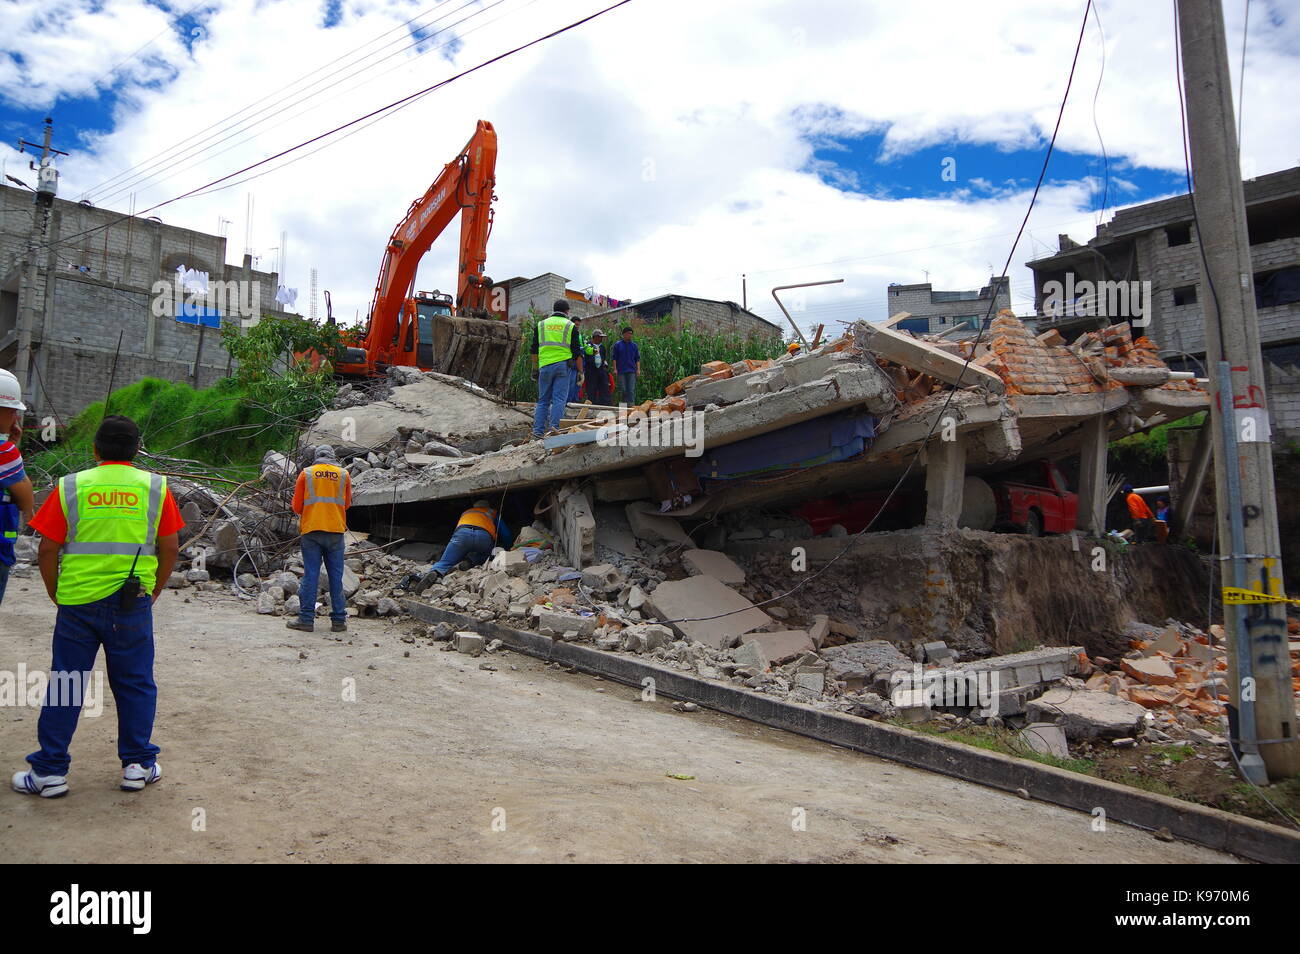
x=1033, y=499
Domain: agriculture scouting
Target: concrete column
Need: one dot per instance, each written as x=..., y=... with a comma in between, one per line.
x=945, y=475
x=1092, y=477
x=150, y=336
x=574, y=525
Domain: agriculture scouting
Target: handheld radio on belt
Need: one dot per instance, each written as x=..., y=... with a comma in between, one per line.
x=130, y=591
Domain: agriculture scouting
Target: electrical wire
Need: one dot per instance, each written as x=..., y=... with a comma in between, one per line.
x=939, y=416
x=1105, y=159
x=353, y=122
x=204, y=149
x=353, y=132
x=333, y=64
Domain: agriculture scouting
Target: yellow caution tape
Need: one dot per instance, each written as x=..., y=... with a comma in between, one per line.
x=1233, y=595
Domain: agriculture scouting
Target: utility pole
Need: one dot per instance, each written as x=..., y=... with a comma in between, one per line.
x=1262, y=716
x=47, y=186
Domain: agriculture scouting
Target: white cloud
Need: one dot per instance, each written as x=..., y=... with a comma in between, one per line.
x=665, y=146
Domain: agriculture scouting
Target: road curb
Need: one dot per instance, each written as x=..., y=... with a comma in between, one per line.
x=1198, y=824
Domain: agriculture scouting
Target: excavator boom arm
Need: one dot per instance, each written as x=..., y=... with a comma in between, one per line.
x=464, y=186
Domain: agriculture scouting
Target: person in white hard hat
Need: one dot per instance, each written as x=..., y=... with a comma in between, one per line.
x=16, y=499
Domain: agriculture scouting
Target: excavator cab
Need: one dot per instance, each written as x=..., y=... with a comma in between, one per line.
x=429, y=306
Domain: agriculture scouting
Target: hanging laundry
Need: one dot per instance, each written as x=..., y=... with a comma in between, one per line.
x=286, y=296
x=192, y=280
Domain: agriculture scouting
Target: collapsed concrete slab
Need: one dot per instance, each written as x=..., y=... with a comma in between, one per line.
x=1087, y=715
x=690, y=606
x=531, y=464
x=714, y=564
x=459, y=414
x=781, y=646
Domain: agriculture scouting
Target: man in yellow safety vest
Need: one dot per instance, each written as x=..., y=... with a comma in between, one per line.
x=557, y=354
x=108, y=545
x=322, y=496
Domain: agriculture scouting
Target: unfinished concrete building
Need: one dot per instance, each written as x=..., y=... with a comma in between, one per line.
x=1156, y=243
x=95, y=286
x=947, y=312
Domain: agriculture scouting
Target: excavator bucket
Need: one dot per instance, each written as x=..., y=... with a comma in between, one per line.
x=481, y=350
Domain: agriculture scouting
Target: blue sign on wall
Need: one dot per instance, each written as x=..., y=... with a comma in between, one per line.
x=194, y=314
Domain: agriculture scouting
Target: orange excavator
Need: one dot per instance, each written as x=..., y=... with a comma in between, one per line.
x=422, y=329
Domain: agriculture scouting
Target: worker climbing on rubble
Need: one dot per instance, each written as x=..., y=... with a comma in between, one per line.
x=479, y=529
x=115, y=527
x=15, y=487
x=322, y=497
x=600, y=385
x=557, y=353
x=1140, y=514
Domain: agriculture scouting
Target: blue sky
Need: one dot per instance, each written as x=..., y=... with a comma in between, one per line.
x=862, y=164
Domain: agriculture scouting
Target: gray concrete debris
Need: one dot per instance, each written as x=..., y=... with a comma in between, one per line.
x=431, y=404
x=781, y=646
x=1046, y=738
x=713, y=563
x=1082, y=714
x=728, y=614
x=469, y=643
x=857, y=663
x=647, y=525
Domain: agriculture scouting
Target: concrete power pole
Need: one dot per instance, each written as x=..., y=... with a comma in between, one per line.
x=1259, y=664
x=47, y=178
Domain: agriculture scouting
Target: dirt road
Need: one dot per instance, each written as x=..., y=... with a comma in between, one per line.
x=439, y=760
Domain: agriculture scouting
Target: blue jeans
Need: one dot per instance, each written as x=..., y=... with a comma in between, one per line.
x=317, y=546
x=552, y=395
x=4, y=579
x=127, y=638
x=467, y=543
x=627, y=386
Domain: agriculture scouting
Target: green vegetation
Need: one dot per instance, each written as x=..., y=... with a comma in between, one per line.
x=999, y=740
x=1140, y=451
x=227, y=427
x=1176, y=771
x=666, y=355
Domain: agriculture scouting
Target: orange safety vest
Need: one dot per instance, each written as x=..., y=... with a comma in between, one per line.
x=485, y=518
x=1137, y=507
x=323, y=503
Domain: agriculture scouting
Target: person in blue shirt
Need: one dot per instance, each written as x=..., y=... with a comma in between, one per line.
x=627, y=365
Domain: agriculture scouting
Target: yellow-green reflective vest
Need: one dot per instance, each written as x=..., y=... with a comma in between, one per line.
x=553, y=340
x=112, y=512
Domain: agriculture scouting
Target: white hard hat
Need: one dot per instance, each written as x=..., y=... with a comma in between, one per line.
x=11, y=393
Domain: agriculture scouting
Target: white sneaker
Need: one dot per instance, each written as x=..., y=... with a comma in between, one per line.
x=136, y=777
x=46, y=786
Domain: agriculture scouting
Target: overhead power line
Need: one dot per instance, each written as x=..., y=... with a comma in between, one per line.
x=195, y=150
x=396, y=104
